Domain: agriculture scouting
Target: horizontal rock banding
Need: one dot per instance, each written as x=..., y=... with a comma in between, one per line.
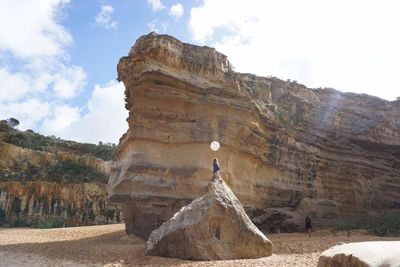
x=293, y=151
x=53, y=189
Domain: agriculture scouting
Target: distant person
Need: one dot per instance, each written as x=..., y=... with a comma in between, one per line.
x=215, y=167
x=308, y=226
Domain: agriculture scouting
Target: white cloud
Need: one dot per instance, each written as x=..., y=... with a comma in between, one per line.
x=37, y=82
x=69, y=82
x=29, y=112
x=29, y=29
x=156, y=5
x=156, y=26
x=347, y=45
x=176, y=11
x=105, y=120
x=57, y=81
x=103, y=18
x=13, y=86
x=152, y=26
x=36, y=78
x=61, y=117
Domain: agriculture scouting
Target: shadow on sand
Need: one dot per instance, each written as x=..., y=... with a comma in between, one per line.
x=103, y=249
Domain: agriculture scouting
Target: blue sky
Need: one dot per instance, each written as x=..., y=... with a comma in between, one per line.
x=58, y=57
x=97, y=47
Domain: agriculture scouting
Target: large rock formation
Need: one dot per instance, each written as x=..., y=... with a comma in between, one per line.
x=362, y=254
x=287, y=150
x=213, y=227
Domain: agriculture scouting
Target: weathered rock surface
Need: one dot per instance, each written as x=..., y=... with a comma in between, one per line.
x=71, y=204
x=287, y=151
x=362, y=254
x=212, y=227
x=41, y=187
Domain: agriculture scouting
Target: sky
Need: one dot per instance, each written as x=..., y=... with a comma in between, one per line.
x=58, y=57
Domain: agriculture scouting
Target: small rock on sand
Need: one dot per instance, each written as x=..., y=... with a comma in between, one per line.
x=362, y=254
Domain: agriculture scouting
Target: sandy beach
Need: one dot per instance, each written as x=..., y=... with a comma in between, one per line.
x=107, y=245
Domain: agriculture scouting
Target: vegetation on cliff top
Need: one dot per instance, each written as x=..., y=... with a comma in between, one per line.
x=36, y=141
x=66, y=171
x=61, y=172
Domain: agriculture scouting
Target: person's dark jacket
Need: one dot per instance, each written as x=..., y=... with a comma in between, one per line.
x=308, y=223
x=215, y=167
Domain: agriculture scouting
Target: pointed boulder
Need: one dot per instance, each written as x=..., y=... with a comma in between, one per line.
x=212, y=227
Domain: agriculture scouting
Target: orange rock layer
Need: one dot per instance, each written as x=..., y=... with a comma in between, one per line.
x=53, y=189
x=287, y=151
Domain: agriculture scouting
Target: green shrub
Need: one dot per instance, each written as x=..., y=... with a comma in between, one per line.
x=20, y=221
x=61, y=171
x=46, y=223
x=30, y=139
x=387, y=224
x=2, y=215
x=75, y=172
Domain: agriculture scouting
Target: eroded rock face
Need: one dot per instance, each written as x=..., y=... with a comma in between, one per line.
x=287, y=151
x=34, y=188
x=71, y=204
x=362, y=254
x=212, y=227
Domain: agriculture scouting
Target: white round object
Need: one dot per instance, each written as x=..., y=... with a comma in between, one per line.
x=214, y=145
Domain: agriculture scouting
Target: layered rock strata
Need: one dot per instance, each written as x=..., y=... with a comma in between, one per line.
x=287, y=151
x=212, y=227
x=54, y=204
x=53, y=189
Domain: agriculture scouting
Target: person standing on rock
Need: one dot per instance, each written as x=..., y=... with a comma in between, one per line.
x=215, y=167
x=308, y=226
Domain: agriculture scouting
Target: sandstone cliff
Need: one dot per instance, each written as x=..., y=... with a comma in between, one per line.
x=51, y=188
x=287, y=151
